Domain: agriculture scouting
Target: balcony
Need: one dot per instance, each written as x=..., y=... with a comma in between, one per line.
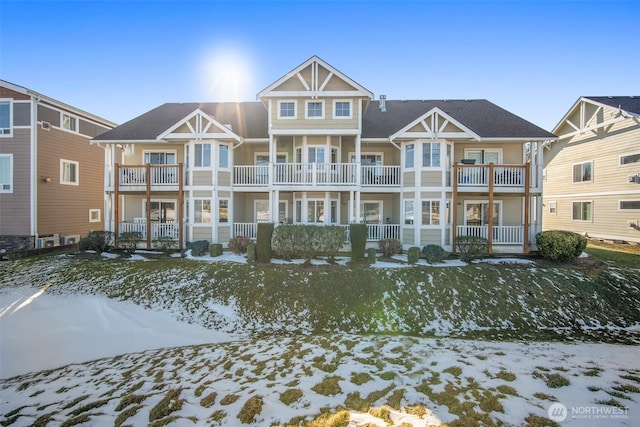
x=317, y=174
x=375, y=232
x=501, y=178
x=159, y=177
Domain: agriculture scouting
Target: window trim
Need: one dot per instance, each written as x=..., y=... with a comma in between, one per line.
x=573, y=178
x=228, y=166
x=195, y=157
x=10, y=157
x=431, y=224
x=422, y=166
x=10, y=133
x=306, y=108
x=404, y=213
x=92, y=211
x=591, y=210
x=628, y=164
x=404, y=155
x=295, y=109
x=150, y=151
x=75, y=119
x=629, y=209
x=482, y=202
x=335, y=105
x=223, y=199
x=195, y=209
x=554, y=204
x=77, y=172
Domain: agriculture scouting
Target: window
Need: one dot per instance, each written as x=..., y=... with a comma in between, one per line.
x=5, y=118
x=69, y=171
x=263, y=214
x=223, y=210
x=160, y=158
x=629, y=204
x=202, y=211
x=408, y=155
x=95, y=215
x=315, y=154
x=342, y=109
x=629, y=159
x=553, y=208
x=202, y=155
x=477, y=213
x=408, y=212
x=223, y=156
x=582, y=172
x=69, y=122
x=430, y=212
x=582, y=211
x=287, y=110
x=315, y=109
x=6, y=173
x=431, y=155
x=315, y=211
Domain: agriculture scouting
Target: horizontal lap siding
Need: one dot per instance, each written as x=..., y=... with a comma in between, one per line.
x=430, y=236
x=15, y=206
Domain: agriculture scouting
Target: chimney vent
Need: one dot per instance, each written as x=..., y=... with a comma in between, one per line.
x=383, y=103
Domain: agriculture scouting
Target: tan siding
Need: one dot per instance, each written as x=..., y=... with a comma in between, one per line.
x=137, y=158
x=15, y=206
x=224, y=234
x=431, y=178
x=133, y=207
x=62, y=208
x=430, y=236
x=224, y=179
x=202, y=178
x=337, y=83
x=300, y=122
x=201, y=193
x=409, y=179
x=408, y=235
x=511, y=151
x=202, y=233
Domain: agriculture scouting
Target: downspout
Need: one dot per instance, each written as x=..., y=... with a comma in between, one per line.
x=33, y=184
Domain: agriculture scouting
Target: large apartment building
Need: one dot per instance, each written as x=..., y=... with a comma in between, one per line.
x=316, y=148
x=592, y=174
x=51, y=181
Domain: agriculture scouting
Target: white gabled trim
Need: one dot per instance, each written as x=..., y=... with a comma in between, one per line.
x=586, y=123
x=200, y=132
x=428, y=121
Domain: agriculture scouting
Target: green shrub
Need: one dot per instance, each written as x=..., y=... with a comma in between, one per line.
x=358, y=239
x=434, y=254
x=165, y=243
x=215, y=249
x=238, y=244
x=263, y=242
x=99, y=241
x=371, y=255
x=413, y=254
x=129, y=241
x=471, y=247
x=251, y=252
x=198, y=248
x=560, y=245
x=307, y=241
x=389, y=247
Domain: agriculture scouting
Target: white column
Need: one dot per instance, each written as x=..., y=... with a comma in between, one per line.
x=214, y=214
x=276, y=204
x=327, y=207
x=352, y=215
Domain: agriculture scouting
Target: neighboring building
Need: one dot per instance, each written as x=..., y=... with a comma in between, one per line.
x=51, y=180
x=592, y=174
x=318, y=149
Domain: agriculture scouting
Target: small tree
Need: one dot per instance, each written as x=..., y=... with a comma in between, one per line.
x=358, y=238
x=99, y=241
x=389, y=247
x=238, y=244
x=129, y=241
x=471, y=247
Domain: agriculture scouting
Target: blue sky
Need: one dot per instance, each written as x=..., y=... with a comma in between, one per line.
x=119, y=59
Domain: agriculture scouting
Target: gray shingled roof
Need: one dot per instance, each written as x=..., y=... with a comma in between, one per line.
x=627, y=103
x=249, y=119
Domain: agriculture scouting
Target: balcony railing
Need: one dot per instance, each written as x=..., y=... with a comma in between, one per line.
x=158, y=229
x=504, y=234
x=317, y=174
x=375, y=232
x=158, y=175
x=479, y=176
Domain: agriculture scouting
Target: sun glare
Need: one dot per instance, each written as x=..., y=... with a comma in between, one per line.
x=227, y=75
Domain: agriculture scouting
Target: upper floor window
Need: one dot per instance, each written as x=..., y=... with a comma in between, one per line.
x=286, y=110
x=223, y=156
x=69, y=122
x=315, y=109
x=160, y=158
x=630, y=205
x=553, y=208
x=630, y=159
x=582, y=211
x=583, y=172
x=6, y=173
x=69, y=172
x=5, y=118
x=342, y=109
x=431, y=155
x=408, y=155
x=202, y=155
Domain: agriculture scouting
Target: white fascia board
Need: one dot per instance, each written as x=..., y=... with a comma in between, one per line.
x=255, y=140
x=375, y=140
x=403, y=132
x=276, y=132
x=127, y=141
x=312, y=93
x=519, y=139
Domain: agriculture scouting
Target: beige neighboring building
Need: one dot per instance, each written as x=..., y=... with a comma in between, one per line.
x=316, y=148
x=592, y=174
x=51, y=177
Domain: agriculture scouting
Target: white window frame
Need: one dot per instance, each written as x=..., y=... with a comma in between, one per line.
x=335, y=109
x=7, y=132
x=10, y=183
x=93, y=217
x=430, y=143
x=591, y=210
x=431, y=224
x=499, y=151
x=295, y=109
x=195, y=157
x=627, y=210
x=404, y=156
x=66, y=121
x=255, y=209
x=573, y=177
x=553, y=207
x=161, y=201
x=628, y=164
x=380, y=204
x=283, y=216
x=219, y=157
x=404, y=212
x=220, y=200
x=165, y=152
x=483, y=202
x=63, y=181
x=306, y=108
x=201, y=201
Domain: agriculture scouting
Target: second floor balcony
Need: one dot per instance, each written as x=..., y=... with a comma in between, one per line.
x=482, y=178
x=317, y=174
x=156, y=177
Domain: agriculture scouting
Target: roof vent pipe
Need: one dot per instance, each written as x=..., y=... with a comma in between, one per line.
x=383, y=103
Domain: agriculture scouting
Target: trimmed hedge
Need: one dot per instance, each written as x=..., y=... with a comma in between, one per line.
x=358, y=239
x=251, y=252
x=198, y=248
x=413, y=255
x=434, y=254
x=389, y=247
x=307, y=241
x=263, y=242
x=215, y=249
x=560, y=245
x=371, y=256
